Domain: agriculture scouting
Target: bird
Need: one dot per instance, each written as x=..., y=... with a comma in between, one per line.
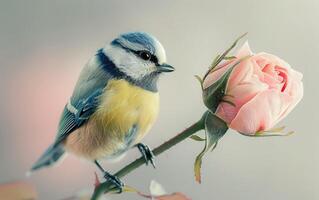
x=114, y=104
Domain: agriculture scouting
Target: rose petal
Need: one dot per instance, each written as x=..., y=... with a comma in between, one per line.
x=244, y=51
x=294, y=98
x=240, y=95
x=275, y=60
x=261, y=113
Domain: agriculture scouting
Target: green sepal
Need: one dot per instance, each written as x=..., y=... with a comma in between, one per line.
x=200, y=80
x=230, y=57
x=215, y=93
x=224, y=56
x=214, y=62
x=279, y=131
x=215, y=129
x=197, y=138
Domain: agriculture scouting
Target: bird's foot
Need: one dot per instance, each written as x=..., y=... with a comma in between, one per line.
x=118, y=184
x=147, y=153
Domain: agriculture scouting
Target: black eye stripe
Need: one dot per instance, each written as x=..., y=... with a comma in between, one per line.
x=152, y=59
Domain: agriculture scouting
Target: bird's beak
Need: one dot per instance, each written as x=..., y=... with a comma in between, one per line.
x=165, y=68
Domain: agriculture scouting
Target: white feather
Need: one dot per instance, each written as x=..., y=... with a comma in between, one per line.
x=129, y=63
x=160, y=52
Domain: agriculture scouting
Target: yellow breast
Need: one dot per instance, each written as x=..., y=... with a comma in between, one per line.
x=122, y=106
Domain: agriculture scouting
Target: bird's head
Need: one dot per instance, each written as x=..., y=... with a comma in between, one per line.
x=138, y=55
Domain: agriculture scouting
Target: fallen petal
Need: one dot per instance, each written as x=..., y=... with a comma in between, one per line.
x=17, y=191
x=156, y=189
x=174, y=196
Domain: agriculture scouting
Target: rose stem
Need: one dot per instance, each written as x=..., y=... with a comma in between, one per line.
x=104, y=187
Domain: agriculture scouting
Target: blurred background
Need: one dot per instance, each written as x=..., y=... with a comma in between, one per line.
x=44, y=44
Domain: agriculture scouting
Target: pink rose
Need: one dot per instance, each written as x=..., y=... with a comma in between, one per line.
x=263, y=87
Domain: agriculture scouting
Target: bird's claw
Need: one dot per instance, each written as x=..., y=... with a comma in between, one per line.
x=118, y=184
x=147, y=153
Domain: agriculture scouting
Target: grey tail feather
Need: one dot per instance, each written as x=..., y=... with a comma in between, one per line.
x=49, y=157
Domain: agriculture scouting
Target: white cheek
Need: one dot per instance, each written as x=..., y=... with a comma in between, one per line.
x=128, y=63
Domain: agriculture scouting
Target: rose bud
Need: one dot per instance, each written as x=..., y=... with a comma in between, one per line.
x=262, y=89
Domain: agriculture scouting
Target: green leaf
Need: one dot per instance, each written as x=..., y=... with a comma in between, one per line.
x=215, y=129
x=197, y=138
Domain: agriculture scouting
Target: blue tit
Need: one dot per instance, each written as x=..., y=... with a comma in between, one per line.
x=114, y=103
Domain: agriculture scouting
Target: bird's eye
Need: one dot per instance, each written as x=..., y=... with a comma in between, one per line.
x=144, y=55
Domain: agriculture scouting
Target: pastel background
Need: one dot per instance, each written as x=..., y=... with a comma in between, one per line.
x=44, y=44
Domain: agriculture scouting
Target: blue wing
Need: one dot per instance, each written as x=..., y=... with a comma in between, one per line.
x=71, y=119
x=74, y=116
x=85, y=98
x=83, y=103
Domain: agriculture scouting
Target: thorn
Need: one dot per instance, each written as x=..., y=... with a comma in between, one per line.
x=97, y=181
